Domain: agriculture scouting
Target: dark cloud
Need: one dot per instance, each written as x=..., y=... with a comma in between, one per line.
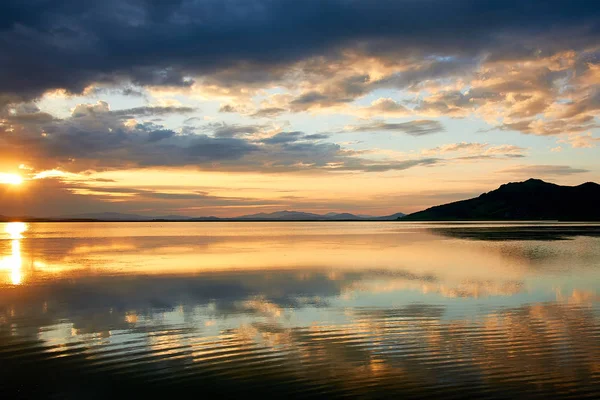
x=228, y=108
x=270, y=112
x=413, y=128
x=132, y=92
x=151, y=110
x=192, y=120
x=309, y=98
x=230, y=131
x=284, y=137
x=102, y=108
x=160, y=134
x=36, y=117
x=125, y=91
x=71, y=44
x=317, y=136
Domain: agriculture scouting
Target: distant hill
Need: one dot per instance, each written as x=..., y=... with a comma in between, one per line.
x=274, y=216
x=285, y=215
x=303, y=216
x=392, y=217
x=533, y=199
x=105, y=216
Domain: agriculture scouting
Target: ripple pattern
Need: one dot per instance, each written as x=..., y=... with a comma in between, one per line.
x=538, y=350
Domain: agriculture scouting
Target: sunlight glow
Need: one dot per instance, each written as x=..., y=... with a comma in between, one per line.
x=14, y=261
x=53, y=173
x=15, y=229
x=10, y=179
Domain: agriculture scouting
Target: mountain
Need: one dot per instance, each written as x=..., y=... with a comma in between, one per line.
x=283, y=215
x=533, y=199
x=343, y=216
x=169, y=218
x=303, y=216
x=392, y=217
x=274, y=216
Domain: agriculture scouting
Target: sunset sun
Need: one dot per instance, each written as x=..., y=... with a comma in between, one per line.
x=10, y=179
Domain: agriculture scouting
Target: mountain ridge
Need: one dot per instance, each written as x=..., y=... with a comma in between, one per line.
x=533, y=199
x=284, y=215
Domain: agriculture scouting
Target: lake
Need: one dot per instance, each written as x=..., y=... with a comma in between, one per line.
x=300, y=309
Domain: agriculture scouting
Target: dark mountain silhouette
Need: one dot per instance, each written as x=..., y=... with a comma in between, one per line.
x=533, y=199
x=274, y=216
x=303, y=216
x=286, y=215
x=392, y=217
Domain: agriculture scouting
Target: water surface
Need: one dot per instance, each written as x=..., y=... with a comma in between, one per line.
x=367, y=309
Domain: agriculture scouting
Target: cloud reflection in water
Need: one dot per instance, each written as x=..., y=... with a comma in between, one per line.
x=390, y=310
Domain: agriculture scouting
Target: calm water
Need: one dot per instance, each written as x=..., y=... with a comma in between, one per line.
x=299, y=310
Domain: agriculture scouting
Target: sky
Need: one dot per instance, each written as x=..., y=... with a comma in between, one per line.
x=233, y=107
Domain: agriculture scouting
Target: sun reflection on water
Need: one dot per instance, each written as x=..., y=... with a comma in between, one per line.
x=14, y=261
x=15, y=229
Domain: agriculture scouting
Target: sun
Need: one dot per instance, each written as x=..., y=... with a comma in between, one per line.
x=10, y=179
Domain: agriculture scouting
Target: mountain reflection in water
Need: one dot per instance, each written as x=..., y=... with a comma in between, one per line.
x=301, y=309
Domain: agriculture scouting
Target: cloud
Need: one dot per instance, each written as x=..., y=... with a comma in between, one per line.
x=477, y=150
x=284, y=137
x=413, y=128
x=228, y=108
x=317, y=136
x=155, y=43
x=385, y=107
x=454, y=147
x=102, y=107
x=151, y=111
x=231, y=131
x=47, y=197
x=583, y=141
x=270, y=112
x=536, y=73
x=543, y=170
x=508, y=150
x=336, y=91
x=124, y=91
x=428, y=70
x=550, y=94
x=95, y=138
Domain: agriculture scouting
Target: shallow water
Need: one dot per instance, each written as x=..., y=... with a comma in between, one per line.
x=367, y=309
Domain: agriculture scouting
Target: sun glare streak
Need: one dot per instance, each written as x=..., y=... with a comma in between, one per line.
x=15, y=229
x=14, y=262
x=11, y=179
